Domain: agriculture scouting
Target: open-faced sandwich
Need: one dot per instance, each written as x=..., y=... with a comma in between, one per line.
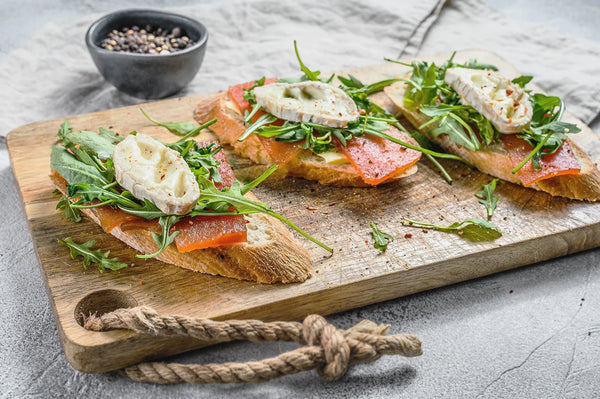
x=313, y=129
x=496, y=125
x=178, y=202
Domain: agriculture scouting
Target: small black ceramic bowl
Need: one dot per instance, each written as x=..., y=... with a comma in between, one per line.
x=147, y=75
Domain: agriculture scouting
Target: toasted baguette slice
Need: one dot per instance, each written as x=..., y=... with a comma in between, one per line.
x=230, y=126
x=271, y=254
x=493, y=161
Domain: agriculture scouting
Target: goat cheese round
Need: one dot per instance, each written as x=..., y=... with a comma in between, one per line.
x=503, y=103
x=150, y=170
x=309, y=101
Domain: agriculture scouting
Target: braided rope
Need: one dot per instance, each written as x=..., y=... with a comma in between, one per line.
x=328, y=350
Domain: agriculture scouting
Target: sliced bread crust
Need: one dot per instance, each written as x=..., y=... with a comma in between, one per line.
x=230, y=126
x=271, y=254
x=582, y=186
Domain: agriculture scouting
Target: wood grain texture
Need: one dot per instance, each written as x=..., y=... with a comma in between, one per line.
x=535, y=227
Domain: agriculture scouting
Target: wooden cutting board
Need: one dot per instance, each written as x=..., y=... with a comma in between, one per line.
x=535, y=227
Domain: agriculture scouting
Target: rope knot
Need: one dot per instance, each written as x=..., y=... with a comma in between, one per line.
x=317, y=332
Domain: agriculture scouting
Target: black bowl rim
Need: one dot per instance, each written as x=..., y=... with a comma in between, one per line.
x=199, y=44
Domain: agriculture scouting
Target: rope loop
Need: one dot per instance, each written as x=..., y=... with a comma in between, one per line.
x=328, y=350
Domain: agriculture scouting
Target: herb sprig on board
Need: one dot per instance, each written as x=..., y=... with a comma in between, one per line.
x=473, y=229
x=487, y=197
x=91, y=256
x=380, y=239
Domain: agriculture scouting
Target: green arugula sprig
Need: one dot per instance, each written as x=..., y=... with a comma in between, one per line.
x=166, y=237
x=473, y=229
x=308, y=74
x=522, y=80
x=178, y=128
x=547, y=132
x=380, y=239
x=249, y=93
x=90, y=256
x=487, y=197
x=71, y=212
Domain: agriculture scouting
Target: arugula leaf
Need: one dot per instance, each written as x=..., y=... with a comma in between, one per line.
x=71, y=213
x=74, y=170
x=166, y=237
x=489, y=200
x=474, y=64
x=473, y=229
x=92, y=143
x=310, y=75
x=249, y=93
x=547, y=132
x=522, y=80
x=381, y=239
x=90, y=256
x=147, y=211
x=92, y=192
x=110, y=135
x=65, y=129
x=179, y=128
x=451, y=120
x=200, y=159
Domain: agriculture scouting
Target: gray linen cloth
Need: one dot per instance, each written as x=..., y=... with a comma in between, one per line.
x=53, y=76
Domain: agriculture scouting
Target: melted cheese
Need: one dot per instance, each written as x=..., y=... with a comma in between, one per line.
x=150, y=170
x=309, y=101
x=502, y=102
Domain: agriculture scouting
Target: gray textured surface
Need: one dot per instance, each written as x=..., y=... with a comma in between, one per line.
x=533, y=332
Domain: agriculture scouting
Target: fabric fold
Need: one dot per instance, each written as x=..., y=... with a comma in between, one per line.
x=53, y=76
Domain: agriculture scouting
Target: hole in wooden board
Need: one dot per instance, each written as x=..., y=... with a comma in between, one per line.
x=101, y=302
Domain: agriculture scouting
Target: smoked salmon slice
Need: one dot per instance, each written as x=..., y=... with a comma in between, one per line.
x=377, y=159
x=209, y=231
x=562, y=162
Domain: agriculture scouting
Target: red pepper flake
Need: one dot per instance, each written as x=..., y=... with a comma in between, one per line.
x=510, y=292
x=509, y=92
x=407, y=235
x=331, y=203
x=141, y=282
